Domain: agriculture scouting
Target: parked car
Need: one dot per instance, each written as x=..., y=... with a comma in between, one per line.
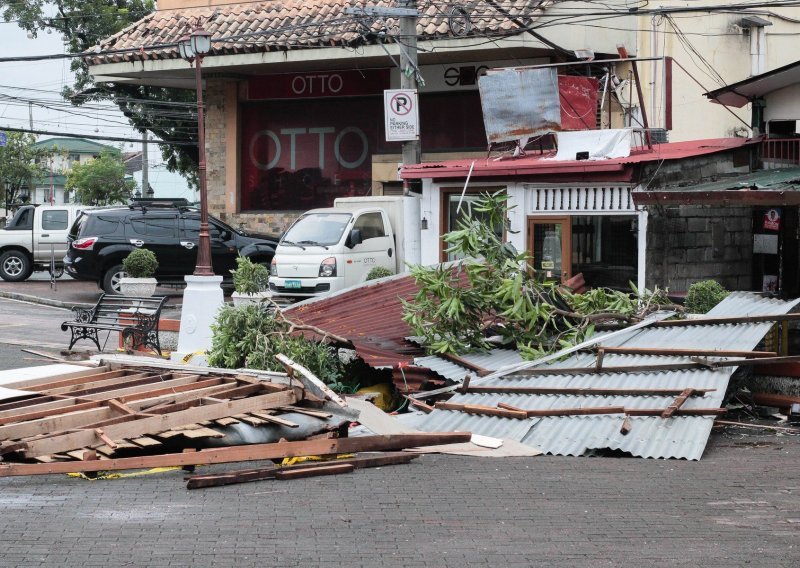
x=100, y=239
x=35, y=238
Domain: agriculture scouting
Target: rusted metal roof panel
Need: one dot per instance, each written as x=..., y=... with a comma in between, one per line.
x=519, y=103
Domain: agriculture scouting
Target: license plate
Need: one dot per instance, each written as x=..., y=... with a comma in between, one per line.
x=293, y=284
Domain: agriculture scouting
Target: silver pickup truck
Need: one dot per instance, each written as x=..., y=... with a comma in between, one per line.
x=35, y=239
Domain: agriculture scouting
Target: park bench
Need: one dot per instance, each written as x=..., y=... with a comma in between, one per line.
x=135, y=318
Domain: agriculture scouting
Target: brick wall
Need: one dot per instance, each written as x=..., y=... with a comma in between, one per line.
x=688, y=243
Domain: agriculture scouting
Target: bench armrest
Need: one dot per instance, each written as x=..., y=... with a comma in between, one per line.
x=83, y=315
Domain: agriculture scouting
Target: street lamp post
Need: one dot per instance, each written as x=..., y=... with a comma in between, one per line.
x=202, y=296
x=192, y=48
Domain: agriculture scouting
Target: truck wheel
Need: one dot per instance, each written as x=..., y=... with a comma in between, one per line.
x=111, y=278
x=15, y=266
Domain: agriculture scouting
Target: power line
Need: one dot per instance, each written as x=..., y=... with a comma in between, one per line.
x=95, y=136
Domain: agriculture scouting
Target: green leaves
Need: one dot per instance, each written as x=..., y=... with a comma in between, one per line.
x=101, y=181
x=494, y=291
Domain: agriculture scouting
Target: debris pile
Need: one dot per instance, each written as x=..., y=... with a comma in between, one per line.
x=118, y=416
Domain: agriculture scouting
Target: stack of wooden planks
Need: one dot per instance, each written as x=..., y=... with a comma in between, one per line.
x=116, y=417
x=102, y=411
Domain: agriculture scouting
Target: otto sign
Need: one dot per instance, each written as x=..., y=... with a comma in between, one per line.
x=401, y=113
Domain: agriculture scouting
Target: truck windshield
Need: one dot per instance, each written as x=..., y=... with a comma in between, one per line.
x=317, y=229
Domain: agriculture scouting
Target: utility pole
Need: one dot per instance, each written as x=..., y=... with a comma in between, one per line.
x=412, y=152
x=146, y=189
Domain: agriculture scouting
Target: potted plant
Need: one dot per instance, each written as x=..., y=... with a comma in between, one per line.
x=140, y=266
x=251, y=282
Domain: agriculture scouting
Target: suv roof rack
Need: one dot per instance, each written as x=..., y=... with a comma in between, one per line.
x=142, y=202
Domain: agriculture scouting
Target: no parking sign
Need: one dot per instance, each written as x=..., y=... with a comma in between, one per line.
x=402, y=114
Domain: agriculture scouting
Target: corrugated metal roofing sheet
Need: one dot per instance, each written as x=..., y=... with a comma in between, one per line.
x=654, y=437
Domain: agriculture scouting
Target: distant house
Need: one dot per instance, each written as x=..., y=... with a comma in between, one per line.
x=68, y=152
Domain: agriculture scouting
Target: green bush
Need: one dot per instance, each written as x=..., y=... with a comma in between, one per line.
x=704, y=295
x=379, y=272
x=250, y=277
x=250, y=336
x=140, y=263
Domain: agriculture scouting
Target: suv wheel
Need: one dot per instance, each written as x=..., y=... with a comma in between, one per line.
x=15, y=266
x=111, y=278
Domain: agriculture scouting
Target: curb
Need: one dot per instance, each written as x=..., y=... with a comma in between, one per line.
x=61, y=304
x=42, y=301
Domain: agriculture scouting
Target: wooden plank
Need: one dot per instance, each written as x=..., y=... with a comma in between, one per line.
x=334, y=469
x=58, y=423
x=160, y=423
x=107, y=384
x=275, y=419
x=226, y=421
x=306, y=411
x=585, y=391
x=583, y=411
x=483, y=410
x=250, y=452
x=679, y=412
x=147, y=389
x=626, y=427
x=33, y=403
x=461, y=362
x=90, y=376
x=119, y=407
x=249, y=475
x=145, y=442
x=29, y=414
x=247, y=419
x=203, y=433
x=677, y=403
x=31, y=383
x=311, y=382
x=687, y=352
x=727, y=320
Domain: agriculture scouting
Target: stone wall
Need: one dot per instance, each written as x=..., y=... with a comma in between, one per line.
x=688, y=243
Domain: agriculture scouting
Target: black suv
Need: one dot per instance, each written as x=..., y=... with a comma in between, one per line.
x=100, y=239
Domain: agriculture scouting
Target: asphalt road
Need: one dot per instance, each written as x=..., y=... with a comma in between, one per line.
x=33, y=325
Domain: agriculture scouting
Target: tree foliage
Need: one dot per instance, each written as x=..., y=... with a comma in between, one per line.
x=101, y=181
x=495, y=292
x=83, y=24
x=21, y=164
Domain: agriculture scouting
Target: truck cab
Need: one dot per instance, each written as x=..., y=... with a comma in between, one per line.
x=326, y=250
x=35, y=239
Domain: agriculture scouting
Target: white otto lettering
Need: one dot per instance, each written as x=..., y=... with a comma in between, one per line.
x=291, y=135
x=317, y=84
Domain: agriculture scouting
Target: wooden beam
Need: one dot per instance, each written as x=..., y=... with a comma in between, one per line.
x=143, y=388
x=51, y=409
x=130, y=379
x=461, y=362
x=31, y=384
x=89, y=375
x=598, y=362
x=258, y=474
x=703, y=352
x=310, y=381
x=585, y=391
x=332, y=469
x=726, y=320
x=77, y=419
x=250, y=452
x=679, y=412
x=160, y=423
x=677, y=403
x=482, y=410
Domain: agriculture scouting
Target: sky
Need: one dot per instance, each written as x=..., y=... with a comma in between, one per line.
x=40, y=82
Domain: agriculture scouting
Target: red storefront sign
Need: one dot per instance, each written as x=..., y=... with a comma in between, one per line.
x=318, y=84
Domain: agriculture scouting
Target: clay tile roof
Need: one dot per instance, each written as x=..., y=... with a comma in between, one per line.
x=255, y=27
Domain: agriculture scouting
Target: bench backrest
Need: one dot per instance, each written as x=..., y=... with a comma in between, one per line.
x=111, y=309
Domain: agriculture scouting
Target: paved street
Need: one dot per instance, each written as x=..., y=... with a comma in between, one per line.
x=738, y=506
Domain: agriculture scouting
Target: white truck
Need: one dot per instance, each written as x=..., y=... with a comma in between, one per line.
x=36, y=239
x=327, y=250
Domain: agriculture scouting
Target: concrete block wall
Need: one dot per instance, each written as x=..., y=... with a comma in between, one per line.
x=689, y=243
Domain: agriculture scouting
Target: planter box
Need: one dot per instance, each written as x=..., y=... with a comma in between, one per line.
x=245, y=299
x=142, y=287
x=168, y=330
